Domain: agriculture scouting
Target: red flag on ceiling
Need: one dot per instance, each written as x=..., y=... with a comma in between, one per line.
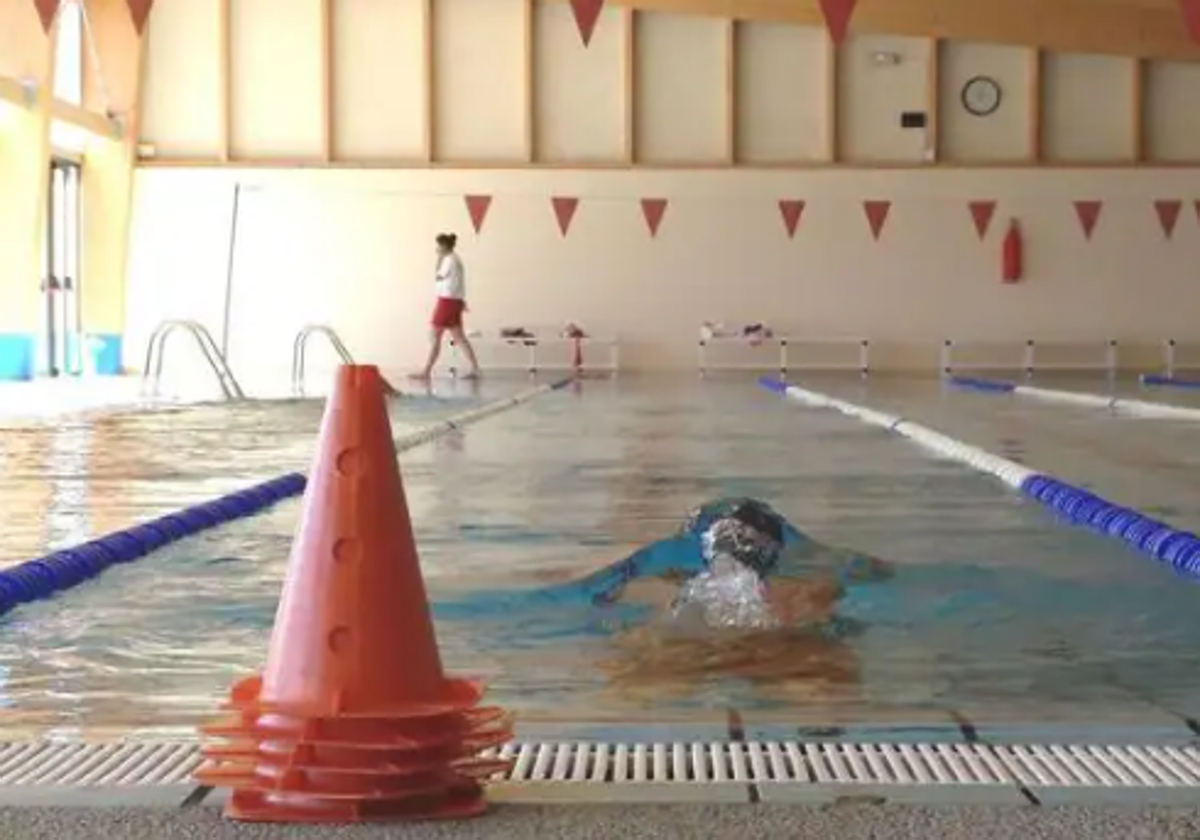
x=587, y=13
x=653, y=210
x=477, y=207
x=877, y=216
x=1191, y=18
x=139, y=10
x=837, y=14
x=1088, y=213
x=564, y=211
x=791, y=210
x=1168, y=215
x=46, y=10
x=982, y=213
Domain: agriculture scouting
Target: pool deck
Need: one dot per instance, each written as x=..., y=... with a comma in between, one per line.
x=845, y=821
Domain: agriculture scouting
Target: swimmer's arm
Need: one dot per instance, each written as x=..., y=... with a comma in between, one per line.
x=677, y=557
x=851, y=566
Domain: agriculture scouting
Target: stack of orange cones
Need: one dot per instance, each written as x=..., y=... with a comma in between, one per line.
x=353, y=719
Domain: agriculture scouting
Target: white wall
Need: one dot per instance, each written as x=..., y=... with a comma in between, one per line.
x=354, y=249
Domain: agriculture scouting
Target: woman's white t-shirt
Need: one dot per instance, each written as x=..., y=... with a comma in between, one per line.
x=451, y=278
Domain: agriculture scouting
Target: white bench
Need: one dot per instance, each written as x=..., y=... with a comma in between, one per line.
x=1029, y=356
x=791, y=352
x=535, y=349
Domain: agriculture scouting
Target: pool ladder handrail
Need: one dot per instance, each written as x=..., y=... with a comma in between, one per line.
x=152, y=374
x=300, y=352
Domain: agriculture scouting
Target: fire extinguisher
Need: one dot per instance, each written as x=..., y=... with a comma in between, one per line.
x=1012, y=254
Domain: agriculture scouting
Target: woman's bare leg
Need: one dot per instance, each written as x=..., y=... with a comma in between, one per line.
x=461, y=340
x=435, y=350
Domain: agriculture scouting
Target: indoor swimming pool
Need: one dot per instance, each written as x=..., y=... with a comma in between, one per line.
x=998, y=613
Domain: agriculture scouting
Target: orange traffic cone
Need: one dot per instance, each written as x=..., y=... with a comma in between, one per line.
x=353, y=718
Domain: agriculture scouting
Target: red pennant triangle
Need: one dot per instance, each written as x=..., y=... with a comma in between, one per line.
x=1088, y=213
x=478, y=206
x=982, y=213
x=564, y=211
x=837, y=15
x=1168, y=215
x=139, y=10
x=1191, y=18
x=877, y=215
x=46, y=10
x=587, y=13
x=653, y=210
x=791, y=210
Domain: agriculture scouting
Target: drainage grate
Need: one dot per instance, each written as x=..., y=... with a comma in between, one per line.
x=50, y=763
x=765, y=763
x=126, y=764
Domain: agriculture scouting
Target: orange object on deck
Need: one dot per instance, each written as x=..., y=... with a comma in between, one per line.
x=353, y=718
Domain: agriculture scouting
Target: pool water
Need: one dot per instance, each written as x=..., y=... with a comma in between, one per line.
x=998, y=613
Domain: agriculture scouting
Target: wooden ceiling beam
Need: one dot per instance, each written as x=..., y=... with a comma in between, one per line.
x=1137, y=28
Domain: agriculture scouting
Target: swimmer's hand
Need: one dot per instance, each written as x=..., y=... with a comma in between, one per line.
x=803, y=601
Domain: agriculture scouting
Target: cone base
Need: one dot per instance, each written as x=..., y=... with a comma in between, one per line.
x=455, y=803
x=383, y=732
x=360, y=757
x=340, y=782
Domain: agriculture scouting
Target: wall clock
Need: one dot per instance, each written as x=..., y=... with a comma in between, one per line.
x=981, y=96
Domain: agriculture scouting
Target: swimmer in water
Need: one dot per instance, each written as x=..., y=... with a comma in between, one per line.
x=736, y=592
x=735, y=562
x=751, y=598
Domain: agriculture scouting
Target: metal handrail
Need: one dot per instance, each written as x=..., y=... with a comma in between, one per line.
x=300, y=352
x=152, y=373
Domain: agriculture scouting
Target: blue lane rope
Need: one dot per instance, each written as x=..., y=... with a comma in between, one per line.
x=1159, y=381
x=36, y=580
x=1173, y=546
x=972, y=383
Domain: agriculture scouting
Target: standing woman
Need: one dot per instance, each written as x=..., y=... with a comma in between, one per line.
x=451, y=304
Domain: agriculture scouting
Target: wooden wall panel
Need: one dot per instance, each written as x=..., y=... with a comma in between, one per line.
x=182, y=96
x=579, y=91
x=1087, y=108
x=276, y=80
x=680, y=85
x=879, y=78
x=1172, y=111
x=781, y=92
x=479, y=80
x=996, y=137
x=378, y=80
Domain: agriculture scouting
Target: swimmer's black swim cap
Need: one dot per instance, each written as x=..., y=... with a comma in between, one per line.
x=758, y=516
x=747, y=530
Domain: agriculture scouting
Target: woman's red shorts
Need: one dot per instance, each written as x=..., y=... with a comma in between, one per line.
x=448, y=313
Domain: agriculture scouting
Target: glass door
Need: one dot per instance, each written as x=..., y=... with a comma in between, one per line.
x=62, y=348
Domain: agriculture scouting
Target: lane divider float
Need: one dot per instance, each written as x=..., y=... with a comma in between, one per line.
x=1155, y=380
x=1134, y=408
x=1173, y=546
x=35, y=580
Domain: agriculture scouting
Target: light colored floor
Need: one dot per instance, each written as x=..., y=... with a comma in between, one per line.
x=49, y=397
x=847, y=821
